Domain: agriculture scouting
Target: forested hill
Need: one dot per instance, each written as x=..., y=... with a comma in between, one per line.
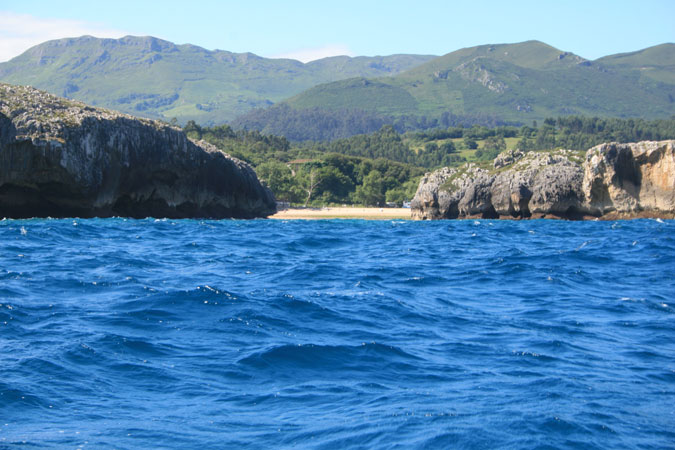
x=150, y=77
x=385, y=166
x=489, y=85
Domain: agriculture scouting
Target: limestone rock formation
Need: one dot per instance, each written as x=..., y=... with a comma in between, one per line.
x=630, y=178
x=62, y=158
x=610, y=180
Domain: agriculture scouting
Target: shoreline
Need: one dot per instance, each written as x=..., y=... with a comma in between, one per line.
x=343, y=212
x=346, y=212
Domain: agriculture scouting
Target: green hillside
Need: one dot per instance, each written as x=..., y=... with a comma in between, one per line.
x=655, y=62
x=515, y=82
x=150, y=77
x=359, y=92
x=488, y=84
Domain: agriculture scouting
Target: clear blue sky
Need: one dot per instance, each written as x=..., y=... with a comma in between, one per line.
x=590, y=28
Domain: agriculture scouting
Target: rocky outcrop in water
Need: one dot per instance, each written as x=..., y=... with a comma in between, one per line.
x=610, y=181
x=61, y=158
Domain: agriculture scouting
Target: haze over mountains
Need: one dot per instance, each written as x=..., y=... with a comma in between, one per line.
x=514, y=83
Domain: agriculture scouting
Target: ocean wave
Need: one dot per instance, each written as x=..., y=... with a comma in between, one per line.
x=193, y=333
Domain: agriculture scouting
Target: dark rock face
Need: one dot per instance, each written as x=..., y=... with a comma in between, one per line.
x=60, y=158
x=610, y=180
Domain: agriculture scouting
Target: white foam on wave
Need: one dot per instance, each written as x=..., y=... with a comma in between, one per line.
x=584, y=244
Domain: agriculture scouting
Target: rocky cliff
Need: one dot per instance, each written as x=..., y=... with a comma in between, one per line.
x=62, y=158
x=609, y=181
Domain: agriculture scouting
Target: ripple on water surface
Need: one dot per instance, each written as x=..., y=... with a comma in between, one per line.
x=333, y=334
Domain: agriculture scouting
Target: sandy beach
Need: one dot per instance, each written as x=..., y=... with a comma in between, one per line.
x=343, y=213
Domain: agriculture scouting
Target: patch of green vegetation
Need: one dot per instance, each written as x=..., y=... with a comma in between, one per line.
x=511, y=143
x=314, y=174
x=356, y=93
x=451, y=183
x=485, y=165
x=578, y=157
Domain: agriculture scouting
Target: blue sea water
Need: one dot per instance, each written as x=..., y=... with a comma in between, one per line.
x=152, y=333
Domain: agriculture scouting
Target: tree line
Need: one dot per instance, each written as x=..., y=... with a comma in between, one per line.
x=581, y=133
x=385, y=165
x=341, y=179
x=320, y=124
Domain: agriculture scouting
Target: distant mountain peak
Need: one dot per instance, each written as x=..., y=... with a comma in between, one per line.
x=152, y=77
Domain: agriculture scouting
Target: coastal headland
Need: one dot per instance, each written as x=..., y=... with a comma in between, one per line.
x=611, y=181
x=62, y=158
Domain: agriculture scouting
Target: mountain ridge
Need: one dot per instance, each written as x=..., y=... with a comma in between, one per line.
x=518, y=82
x=159, y=79
x=508, y=83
